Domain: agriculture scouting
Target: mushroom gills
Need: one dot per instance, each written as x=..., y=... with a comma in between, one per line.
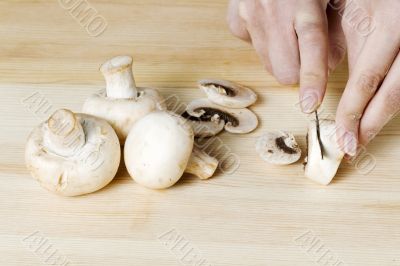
x=204, y=128
x=238, y=120
x=279, y=148
x=227, y=94
x=321, y=165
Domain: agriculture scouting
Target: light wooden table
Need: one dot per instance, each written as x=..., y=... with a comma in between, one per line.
x=259, y=215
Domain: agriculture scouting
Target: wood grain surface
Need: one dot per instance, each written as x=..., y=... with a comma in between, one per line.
x=257, y=215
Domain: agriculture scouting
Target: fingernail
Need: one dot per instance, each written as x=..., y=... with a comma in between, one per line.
x=350, y=143
x=309, y=102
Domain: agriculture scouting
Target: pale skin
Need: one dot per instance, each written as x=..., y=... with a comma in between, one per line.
x=301, y=41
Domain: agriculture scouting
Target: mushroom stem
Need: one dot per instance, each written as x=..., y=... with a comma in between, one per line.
x=201, y=164
x=119, y=78
x=65, y=135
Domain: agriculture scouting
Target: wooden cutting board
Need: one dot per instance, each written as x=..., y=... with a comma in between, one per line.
x=256, y=215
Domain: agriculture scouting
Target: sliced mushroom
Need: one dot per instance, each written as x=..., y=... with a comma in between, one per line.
x=159, y=149
x=324, y=155
x=278, y=148
x=204, y=127
x=238, y=120
x=228, y=94
x=124, y=103
x=73, y=154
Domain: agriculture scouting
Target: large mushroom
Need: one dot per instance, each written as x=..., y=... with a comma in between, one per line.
x=73, y=154
x=324, y=154
x=227, y=93
x=159, y=149
x=124, y=103
x=238, y=120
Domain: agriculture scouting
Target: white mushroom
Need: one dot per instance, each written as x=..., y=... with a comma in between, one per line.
x=324, y=154
x=73, y=154
x=228, y=94
x=123, y=103
x=278, y=148
x=238, y=120
x=159, y=149
x=204, y=127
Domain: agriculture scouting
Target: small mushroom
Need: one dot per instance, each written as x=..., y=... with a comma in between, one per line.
x=324, y=155
x=159, y=149
x=278, y=148
x=204, y=127
x=123, y=103
x=228, y=94
x=73, y=154
x=238, y=120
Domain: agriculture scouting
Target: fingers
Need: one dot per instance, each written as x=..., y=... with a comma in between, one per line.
x=283, y=52
x=235, y=22
x=337, y=41
x=383, y=107
x=372, y=64
x=312, y=31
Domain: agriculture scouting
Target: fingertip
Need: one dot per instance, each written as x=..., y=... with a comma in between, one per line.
x=309, y=101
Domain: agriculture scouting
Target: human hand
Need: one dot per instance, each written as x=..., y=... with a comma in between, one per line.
x=372, y=94
x=292, y=41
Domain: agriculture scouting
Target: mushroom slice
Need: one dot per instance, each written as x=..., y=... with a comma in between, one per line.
x=123, y=103
x=227, y=94
x=160, y=148
x=278, y=148
x=73, y=154
x=324, y=155
x=238, y=120
x=204, y=127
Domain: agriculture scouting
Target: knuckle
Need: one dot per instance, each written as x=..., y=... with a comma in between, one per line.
x=313, y=77
x=368, y=82
x=310, y=27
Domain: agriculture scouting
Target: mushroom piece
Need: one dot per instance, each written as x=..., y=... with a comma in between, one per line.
x=324, y=155
x=73, y=154
x=123, y=103
x=238, y=120
x=159, y=149
x=278, y=148
x=204, y=127
x=227, y=94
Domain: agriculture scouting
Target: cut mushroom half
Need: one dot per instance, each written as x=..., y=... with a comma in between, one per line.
x=227, y=93
x=237, y=121
x=324, y=155
x=279, y=148
x=204, y=127
x=124, y=103
x=73, y=154
x=160, y=148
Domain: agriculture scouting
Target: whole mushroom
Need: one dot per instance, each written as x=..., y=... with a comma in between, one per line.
x=324, y=155
x=124, y=103
x=73, y=154
x=160, y=148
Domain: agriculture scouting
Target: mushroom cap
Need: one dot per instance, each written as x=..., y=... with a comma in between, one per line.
x=238, y=120
x=123, y=113
x=323, y=170
x=158, y=149
x=227, y=94
x=117, y=64
x=204, y=129
x=91, y=168
x=278, y=148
